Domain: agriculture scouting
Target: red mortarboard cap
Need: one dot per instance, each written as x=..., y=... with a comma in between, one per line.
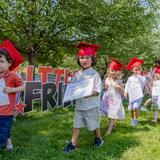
x=134, y=62
x=17, y=59
x=115, y=64
x=86, y=49
x=157, y=70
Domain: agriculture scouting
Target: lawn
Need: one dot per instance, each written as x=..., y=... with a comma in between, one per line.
x=43, y=135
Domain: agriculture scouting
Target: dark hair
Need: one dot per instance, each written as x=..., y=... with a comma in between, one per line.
x=93, y=61
x=157, y=62
x=5, y=53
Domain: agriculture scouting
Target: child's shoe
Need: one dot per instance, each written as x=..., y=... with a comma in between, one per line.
x=98, y=142
x=134, y=122
x=9, y=147
x=70, y=147
x=144, y=109
x=154, y=121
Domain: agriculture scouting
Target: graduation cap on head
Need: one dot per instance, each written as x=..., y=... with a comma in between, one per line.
x=115, y=64
x=86, y=49
x=134, y=62
x=157, y=69
x=17, y=59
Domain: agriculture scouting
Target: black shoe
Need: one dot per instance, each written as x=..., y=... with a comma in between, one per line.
x=70, y=147
x=98, y=142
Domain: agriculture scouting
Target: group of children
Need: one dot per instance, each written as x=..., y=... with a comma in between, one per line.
x=88, y=109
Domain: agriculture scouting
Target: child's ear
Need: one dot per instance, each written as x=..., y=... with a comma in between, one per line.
x=10, y=64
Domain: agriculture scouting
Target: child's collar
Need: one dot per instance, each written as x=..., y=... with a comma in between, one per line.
x=5, y=74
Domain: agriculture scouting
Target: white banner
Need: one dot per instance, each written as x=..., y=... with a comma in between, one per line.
x=78, y=90
x=4, y=99
x=156, y=88
x=135, y=91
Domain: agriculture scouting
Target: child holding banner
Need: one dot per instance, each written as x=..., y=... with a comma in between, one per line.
x=10, y=83
x=156, y=94
x=111, y=103
x=134, y=88
x=87, y=108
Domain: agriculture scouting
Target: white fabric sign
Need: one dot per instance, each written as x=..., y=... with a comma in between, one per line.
x=78, y=90
x=156, y=88
x=4, y=99
x=135, y=91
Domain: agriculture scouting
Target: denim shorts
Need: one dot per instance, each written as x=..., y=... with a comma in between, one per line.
x=5, y=128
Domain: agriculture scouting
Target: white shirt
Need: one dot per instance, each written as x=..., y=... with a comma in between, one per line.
x=93, y=101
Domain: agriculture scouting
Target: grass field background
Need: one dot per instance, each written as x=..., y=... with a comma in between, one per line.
x=43, y=135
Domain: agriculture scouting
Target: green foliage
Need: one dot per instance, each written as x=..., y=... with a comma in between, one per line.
x=46, y=31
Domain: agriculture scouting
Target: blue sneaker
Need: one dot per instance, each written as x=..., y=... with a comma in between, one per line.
x=134, y=122
x=70, y=147
x=98, y=142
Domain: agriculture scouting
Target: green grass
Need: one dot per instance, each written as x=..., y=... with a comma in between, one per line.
x=43, y=135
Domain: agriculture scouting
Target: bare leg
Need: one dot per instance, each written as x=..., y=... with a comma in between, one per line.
x=75, y=135
x=97, y=133
x=155, y=116
x=135, y=114
x=110, y=125
x=147, y=102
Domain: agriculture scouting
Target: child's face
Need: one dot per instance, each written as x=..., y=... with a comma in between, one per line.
x=137, y=70
x=4, y=64
x=85, y=61
x=113, y=73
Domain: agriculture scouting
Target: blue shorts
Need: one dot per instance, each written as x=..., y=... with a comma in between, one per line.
x=5, y=128
x=135, y=104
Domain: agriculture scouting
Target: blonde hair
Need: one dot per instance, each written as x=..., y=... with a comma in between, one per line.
x=108, y=74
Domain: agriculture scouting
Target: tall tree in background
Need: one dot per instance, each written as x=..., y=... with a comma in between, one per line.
x=47, y=30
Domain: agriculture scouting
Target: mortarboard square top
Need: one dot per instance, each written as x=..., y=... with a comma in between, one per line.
x=17, y=59
x=115, y=64
x=134, y=62
x=86, y=49
x=157, y=70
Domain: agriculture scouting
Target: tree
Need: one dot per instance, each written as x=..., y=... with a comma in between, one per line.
x=45, y=31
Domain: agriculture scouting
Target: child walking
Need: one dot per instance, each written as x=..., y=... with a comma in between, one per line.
x=87, y=108
x=156, y=94
x=134, y=88
x=111, y=103
x=10, y=84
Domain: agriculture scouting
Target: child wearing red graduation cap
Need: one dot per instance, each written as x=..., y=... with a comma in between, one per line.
x=87, y=112
x=134, y=88
x=9, y=59
x=111, y=103
x=156, y=94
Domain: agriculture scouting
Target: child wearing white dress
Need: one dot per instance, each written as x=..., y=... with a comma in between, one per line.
x=156, y=94
x=111, y=103
x=134, y=88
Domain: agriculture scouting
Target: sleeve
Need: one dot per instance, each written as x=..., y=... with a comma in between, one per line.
x=18, y=81
x=97, y=87
x=126, y=89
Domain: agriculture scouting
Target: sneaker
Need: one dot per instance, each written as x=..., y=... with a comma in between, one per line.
x=143, y=109
x=70, y=147
x=134, y=122
x=98, y=142
x=9, y=147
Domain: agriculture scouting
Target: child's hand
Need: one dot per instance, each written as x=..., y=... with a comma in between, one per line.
x=125, y=95
x=8, y=90
x=93, y=94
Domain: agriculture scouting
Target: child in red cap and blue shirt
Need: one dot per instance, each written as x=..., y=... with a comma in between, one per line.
x=134, y=88
x=10, y=84
x=87, y=112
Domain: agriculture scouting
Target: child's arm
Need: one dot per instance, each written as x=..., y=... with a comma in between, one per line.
x=15, y=89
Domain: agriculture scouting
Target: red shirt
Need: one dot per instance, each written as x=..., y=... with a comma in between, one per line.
x=12, y=80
